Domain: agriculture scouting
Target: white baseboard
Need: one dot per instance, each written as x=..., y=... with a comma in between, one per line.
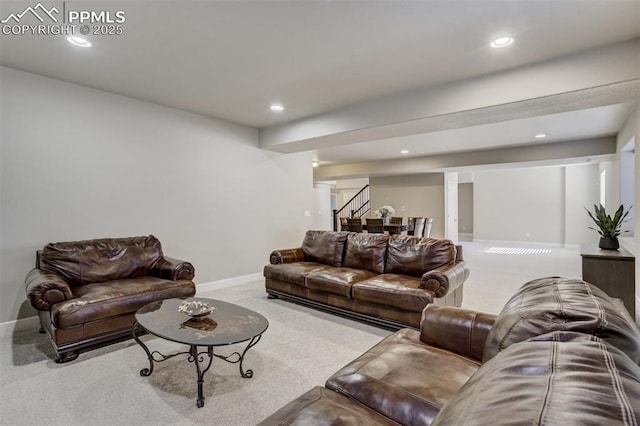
x=243, y=279
x=524, y=243
x=8, y=328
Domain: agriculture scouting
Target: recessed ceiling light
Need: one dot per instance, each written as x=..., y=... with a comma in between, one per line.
x=79, y=41
x=501, y=42
x=540, y=136
x=276, y=107
x=404, y=151
x=315, y=164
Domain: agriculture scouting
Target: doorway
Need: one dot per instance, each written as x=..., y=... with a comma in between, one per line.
x=465, y=211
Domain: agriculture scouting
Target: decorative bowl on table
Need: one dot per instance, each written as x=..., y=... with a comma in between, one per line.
x=195, y=309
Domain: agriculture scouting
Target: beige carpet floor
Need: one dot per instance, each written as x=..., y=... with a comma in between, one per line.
x=300, y=349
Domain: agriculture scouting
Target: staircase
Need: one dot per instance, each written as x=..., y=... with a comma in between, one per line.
x=357, y=206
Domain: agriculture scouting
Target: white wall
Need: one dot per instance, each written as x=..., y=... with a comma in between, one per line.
x=421, y=194
x=465, y=208
x=628, y=183
x=627, y=142
x=582, y=185
x=518, y=205
x=322, y=213
x=536, y=205
x=79, y=163
x=612, y=190
x=451, y=206
x=630, y=130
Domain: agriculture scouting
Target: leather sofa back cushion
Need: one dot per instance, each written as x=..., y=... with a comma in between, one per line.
x=325, y=247
x=366, y=251
x=91, y=261
x=409, y=255
x=560, y=304
x=561, y=378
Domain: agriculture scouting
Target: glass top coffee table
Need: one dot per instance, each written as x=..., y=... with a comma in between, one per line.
x=227, y=324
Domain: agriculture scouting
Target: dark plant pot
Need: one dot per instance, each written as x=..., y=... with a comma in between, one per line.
x=609, y=243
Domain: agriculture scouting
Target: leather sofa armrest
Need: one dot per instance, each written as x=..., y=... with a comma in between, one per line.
x=286, y=256
x=457, y=330
x=446, y=278
x=172, y=269
x=45, y=289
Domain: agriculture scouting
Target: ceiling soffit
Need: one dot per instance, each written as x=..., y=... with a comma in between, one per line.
x=576, y=149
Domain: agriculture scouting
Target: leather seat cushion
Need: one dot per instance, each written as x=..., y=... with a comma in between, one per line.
x=325, y=247
x=409, y=255
x=404, y=379
x=112, y=298
x=561, y=378
x=399, y=291
x=99, y=260
x=337, y=280
x=320, y=406
x=366, y=251
x=293, y=273
x=561, y=304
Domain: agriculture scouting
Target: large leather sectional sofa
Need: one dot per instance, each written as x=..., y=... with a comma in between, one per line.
x=376, y=277
x=87, y=292
x=561, y=352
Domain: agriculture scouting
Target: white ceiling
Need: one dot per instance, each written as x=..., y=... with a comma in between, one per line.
x=581, y=124
x=230, y=60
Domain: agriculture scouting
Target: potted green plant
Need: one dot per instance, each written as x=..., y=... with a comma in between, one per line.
x=609, y=228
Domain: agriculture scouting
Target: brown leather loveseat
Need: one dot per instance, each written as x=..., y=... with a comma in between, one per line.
x=561, y=352
x=376, y=277
x=87, y=292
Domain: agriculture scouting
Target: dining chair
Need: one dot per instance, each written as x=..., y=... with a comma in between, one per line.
x=395, y=220
x=343, y=224
x=411, y=223
x=354, y=224
x=427, y=227
x=418, y=228
x=375, y=226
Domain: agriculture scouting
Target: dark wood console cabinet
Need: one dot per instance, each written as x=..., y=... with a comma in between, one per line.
x=613, y=271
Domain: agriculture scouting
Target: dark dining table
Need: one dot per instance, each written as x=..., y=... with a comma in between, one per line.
x=392, y=228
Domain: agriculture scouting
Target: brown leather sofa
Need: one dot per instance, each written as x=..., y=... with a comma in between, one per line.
x=376, y=277
x=87, y=292
x=561, y=352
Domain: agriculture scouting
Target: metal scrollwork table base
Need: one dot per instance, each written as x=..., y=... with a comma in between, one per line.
x=228, y=324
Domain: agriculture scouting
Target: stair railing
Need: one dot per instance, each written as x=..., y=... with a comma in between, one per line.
x=357, y=206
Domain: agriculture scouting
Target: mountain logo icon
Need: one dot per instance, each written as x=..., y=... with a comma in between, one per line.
x=39, y=11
